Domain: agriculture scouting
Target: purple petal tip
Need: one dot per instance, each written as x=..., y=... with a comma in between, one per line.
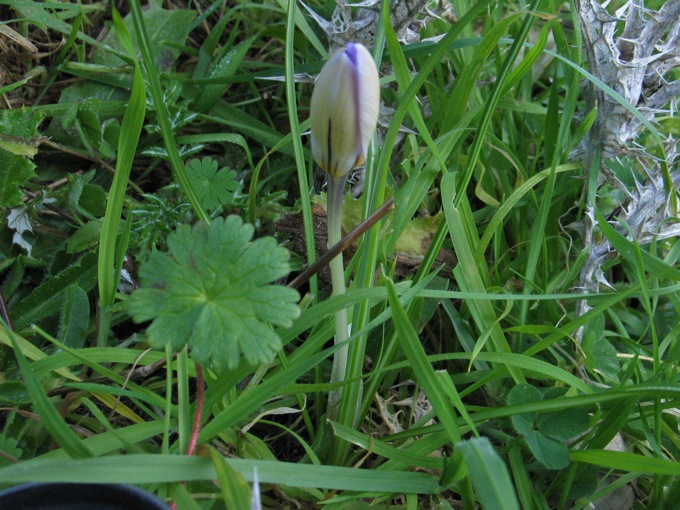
x=351, y=52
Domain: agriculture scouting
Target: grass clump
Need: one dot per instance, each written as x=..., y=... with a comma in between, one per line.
x=511, y=318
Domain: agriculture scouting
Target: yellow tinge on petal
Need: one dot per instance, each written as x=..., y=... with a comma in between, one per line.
x=344, y=109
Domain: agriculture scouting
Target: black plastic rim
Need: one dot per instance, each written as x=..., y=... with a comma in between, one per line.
x=79, y=496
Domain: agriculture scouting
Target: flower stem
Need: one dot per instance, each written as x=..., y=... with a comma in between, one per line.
x=200, y=398
x=336, y=187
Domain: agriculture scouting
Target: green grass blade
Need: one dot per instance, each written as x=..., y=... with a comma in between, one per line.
x=489, y=475
x=520, y=475
x=235, y=490
x=133, y=120
x=401, y=71
x=305, y=202
x=29, y=350
x=83, y=355
x=468, y=276
x=162, y=112
x=629, y=252
x=50, y=418
x=184, y=416
x=302, y=24
x=624, y=461
x=467, y=82
x=112, y=441
x=492, y=101
x=378, y=447
x=144, y=468
x=182, y=498
x=510, y=203
x=610, y=92
x=537, y=239
x=251, y=399
x=420, y=364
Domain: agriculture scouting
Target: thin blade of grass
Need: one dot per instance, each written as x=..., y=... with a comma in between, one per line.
x=378, y=447
x=162, y=112
x=628, y=251
x=489, y=474
x=149, y=468
x=82, y=356
x=420, y=364
x=133, y=120
x=624, y=461
x=537, y=240
x=467, y=82
x=250, y=400
x=49, y=416
x=469, y=277
x=307, y=218
x=235, y=490
x=118, y=439
x=494, y=98
x=182, y=498
x=511, y=202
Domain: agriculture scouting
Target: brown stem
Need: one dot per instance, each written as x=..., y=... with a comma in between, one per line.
x=5, y=313
x=200, y=397
x=344, y=243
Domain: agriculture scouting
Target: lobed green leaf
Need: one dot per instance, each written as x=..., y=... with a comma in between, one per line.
x=212, y=291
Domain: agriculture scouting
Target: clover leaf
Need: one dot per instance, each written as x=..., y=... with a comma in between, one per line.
x=213, y=291
x=213, y=187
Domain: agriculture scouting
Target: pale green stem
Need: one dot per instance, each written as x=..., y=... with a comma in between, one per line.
x=336, y=187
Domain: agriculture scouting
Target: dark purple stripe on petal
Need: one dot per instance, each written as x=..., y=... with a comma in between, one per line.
x=329, y=148
x=353, y=55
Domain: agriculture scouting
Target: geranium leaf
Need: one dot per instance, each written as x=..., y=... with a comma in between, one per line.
x=212, y=186
x=213, y=291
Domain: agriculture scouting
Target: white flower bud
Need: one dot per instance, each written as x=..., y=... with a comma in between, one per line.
x=344, y=109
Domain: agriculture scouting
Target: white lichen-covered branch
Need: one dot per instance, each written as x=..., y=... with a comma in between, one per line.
x=635, y=64
x=633, y=51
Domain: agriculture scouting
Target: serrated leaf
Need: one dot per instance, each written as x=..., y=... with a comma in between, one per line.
x=552, y=454
x=212, y=290
x=14, y=172
x=64, y=128
x=21, y=122
x=213, y=187
x=20, y=146
x=20, y=221
x=16, y=168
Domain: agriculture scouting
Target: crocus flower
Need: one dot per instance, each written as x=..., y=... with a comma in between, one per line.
x=344, y=110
